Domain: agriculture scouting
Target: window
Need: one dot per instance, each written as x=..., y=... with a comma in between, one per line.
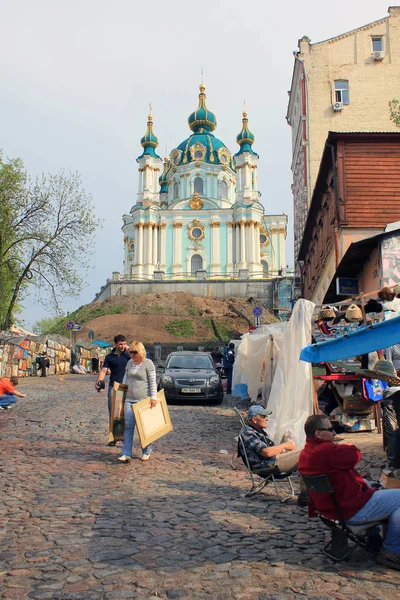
x=342, y=91
x=196, y=263
x=198, y=185
x=196, y=232
x=377, y=44
x=265, y=267
x=224, y=189
x=263, y=238
x=198, y=154
x=176, y=190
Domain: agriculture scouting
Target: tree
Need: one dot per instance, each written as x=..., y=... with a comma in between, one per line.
x=48, y=228
x=394, y=107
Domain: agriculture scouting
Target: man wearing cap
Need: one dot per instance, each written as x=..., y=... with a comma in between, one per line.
x=261, y=451
x=358, y=502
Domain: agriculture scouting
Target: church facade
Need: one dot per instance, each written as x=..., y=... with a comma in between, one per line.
x=198, y=212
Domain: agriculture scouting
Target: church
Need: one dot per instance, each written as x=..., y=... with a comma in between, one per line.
x=198, y=213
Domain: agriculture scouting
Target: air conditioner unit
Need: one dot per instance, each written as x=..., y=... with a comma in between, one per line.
x=378, y=54
x=337, y=106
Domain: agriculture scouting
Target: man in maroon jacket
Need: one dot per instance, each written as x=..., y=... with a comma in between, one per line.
x=358, y=503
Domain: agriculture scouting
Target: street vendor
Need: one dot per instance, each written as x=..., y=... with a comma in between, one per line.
x=358, y=502
x=261, y=451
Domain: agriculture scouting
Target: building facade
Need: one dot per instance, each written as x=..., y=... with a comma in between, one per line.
x=356, y=195
x=198, y=212
x=342, y=84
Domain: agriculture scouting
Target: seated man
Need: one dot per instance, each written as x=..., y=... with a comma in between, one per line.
x=358, y=503
x=8, y=392
x=262, y=452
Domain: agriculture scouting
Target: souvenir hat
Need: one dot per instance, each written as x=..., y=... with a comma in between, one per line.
x=385, y=369
x=257, y=409
x=327, y=313
x=396, y=289
x=353, y=313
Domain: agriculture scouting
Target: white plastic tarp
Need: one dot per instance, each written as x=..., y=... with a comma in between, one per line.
x=291, y=397
x=256, y=359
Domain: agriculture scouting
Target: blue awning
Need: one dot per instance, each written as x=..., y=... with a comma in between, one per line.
x=364, y=340
x=101, y=344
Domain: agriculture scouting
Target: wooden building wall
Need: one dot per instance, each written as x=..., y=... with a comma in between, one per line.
x=368, y=196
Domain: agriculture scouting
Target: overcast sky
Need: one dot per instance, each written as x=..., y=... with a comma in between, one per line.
x=77, y=78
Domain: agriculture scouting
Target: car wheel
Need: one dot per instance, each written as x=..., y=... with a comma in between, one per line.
x=219, y=400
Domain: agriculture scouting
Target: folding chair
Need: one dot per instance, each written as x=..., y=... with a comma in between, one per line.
x=337, y=548
x=261, y=477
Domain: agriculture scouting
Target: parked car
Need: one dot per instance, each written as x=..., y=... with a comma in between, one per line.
x=191, y=376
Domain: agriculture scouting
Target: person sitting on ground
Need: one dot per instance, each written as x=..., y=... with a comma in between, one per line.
x=8, y=393
x=261, y=451
x=358, y=502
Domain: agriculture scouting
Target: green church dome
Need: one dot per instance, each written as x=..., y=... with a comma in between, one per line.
x=203, y=147
x=245, y=139
x=202, y=119
x=149, y=141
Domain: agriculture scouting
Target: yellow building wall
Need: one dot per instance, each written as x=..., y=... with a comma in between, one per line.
x=372, y=83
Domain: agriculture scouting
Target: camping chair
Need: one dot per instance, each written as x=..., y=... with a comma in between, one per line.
x=337, y=548
x=261, y=477
x=243, y=423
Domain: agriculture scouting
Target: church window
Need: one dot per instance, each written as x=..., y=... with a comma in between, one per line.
x=131, y=247
x=342, y=91
x=176, y=190
x=196, y=232
x=224, y=189
x=263, y=238
x=252, y=180
x=198, y=185
x=265, y=267
x=196, y=263
x=198, y=154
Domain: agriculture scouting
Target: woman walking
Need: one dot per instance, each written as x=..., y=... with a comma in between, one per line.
x=140, y=376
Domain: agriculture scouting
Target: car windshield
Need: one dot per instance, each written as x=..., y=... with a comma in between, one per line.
x=190, y=362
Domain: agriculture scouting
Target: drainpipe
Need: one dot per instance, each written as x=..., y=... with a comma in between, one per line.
x=337, y=214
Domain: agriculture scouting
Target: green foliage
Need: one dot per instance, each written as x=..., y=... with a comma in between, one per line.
x=224, y=329
x=44, y=227
x=394, y=108
x=56, y=325
x=158, y=308
x=192, y=311
x=182, y=328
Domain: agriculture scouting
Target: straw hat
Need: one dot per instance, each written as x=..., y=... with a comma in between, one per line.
x=353, y=314
x=327, y=313
x=396, y=289
x=383, y=370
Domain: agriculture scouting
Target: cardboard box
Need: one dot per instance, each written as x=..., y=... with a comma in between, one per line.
x=389, y=483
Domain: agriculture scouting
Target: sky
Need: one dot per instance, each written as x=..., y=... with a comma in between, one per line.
x=77, y=78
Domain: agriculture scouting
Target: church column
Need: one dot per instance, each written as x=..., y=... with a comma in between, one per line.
x=140, y=186
x=257, y=245
x=215, y=266
x=163, y=247
x=177, y=248
x=252, y=248
x=155, y=245
x=242, y=245
x=275, y=249
x=282, y=255
x=237, y=245
x=138, y=258
x=229, y=235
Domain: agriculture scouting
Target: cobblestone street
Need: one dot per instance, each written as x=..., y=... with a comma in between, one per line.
x=76, y=524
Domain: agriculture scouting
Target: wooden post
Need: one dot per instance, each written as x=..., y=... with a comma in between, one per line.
x=363, y=308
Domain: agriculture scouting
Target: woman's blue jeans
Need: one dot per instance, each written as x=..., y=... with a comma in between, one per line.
x=383, y=504
x=129, y=430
